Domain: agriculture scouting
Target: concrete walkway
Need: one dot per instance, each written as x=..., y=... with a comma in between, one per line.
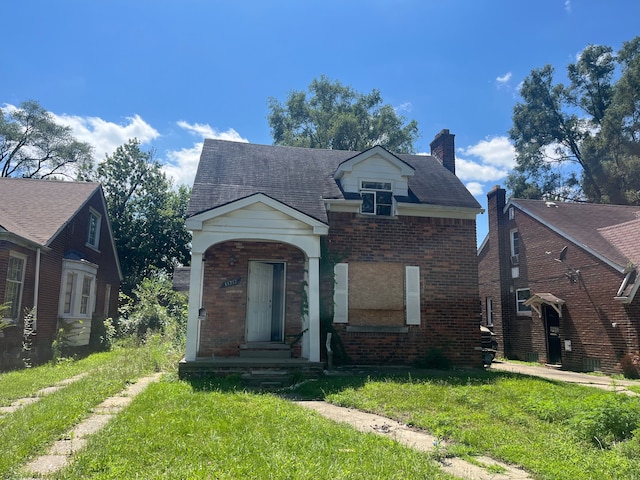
x=61, y=452
x=21, y=402
x=553, y=373
x=416, y=439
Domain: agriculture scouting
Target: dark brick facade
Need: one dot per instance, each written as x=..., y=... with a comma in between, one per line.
x=444, y=249
x=72, y=237
x=600, y=329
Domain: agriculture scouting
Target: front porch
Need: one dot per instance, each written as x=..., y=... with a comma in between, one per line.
x=262, y=372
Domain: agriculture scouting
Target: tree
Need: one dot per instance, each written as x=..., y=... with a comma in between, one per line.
x=581, y=141
x=33, y=145
x=337, y=117
x=146, y=212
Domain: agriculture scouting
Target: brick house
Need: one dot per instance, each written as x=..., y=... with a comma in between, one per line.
x=57, y=256
x=291, y=243
x=558, y=281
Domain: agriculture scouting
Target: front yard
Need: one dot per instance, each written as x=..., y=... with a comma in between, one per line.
x=216, y=429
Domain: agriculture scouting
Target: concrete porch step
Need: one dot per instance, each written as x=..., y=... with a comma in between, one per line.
x=265, y=350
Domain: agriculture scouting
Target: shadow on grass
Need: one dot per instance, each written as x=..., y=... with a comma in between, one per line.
x=300, y=388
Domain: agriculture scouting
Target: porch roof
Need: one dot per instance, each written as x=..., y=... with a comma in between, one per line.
x=536, y=301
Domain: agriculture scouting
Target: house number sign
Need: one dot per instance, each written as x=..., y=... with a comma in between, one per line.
x=231, y=283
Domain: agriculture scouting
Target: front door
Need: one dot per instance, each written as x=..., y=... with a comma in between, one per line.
x=265, y=302
x=554, y=346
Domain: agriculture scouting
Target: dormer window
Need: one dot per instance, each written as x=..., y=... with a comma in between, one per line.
x=377, y=198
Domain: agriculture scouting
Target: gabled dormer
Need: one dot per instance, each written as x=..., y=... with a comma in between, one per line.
x=375, y=179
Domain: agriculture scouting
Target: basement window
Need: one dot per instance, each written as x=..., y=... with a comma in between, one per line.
x=377, y=198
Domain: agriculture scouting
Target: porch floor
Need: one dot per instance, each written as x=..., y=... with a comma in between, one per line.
x=221, y=366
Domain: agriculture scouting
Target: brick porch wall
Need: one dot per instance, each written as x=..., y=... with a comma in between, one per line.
x=223, y=331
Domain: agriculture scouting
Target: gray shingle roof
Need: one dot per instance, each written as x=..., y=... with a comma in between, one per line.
x=36, y=210
x=301, y=177
x=611, y=231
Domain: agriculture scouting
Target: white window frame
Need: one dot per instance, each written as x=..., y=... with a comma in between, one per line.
x=488, y=301
x=12, y=314
x=77, y=301
x=93, y=230
x=372, y=190
x=511, y=213
x=515, y=245
x=521, y=309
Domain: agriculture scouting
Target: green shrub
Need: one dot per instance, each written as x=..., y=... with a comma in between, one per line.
x=156, y=309
x=630, y=365
x=608, y=420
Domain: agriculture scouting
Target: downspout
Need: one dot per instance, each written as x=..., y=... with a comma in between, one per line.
x=36, y=289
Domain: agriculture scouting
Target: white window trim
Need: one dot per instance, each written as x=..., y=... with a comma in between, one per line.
x=412, y=294
x=96, y=244
x=341, y=293
x=22, y=257
x=370, y=190
x=512, y=234
x=489, y=311
x=80, y=269
x=518, y=311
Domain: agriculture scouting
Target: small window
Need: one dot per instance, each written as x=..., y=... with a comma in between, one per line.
x=14, y=286
x=522, y=295
x=511, y=213
x=93, y=236
x=515, y=244
x=377, y=198
x=489, y=311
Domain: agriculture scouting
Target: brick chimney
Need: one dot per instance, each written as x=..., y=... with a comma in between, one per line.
x=443, y=148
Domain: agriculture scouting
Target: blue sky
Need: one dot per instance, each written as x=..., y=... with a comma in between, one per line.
x=173, y=72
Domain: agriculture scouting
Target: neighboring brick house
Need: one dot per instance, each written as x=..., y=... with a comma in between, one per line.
x=558, y=281
x=56, y=254
x=381, y=246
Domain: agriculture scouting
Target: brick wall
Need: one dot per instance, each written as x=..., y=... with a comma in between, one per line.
x=445, y=251
x=590, y=310
x=224, y=329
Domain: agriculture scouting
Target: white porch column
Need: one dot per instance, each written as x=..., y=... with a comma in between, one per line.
x=313, y=296
x=195, y=302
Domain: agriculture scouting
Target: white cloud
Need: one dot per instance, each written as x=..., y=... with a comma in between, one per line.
x=181, y=165
x=504, y=79
x=207, y=131
x=467, y=170
x=107, y=136
x=567, y=6
x=475, y=188
x=496, y=151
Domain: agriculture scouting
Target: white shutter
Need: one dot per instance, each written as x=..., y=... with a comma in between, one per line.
x=341, y=293
x=412, y=294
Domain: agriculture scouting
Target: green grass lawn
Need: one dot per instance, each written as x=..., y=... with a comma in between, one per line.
x=555, y=430
x=173, y=430
x=30, y=429
x=215, y=429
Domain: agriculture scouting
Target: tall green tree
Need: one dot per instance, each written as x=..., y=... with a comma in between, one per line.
x=581, y=141
x=33, y=145
x=335, y=116
x=146, y=212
